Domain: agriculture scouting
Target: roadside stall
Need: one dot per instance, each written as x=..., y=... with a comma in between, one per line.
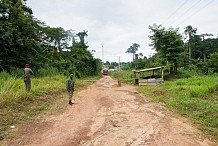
x=149, y=76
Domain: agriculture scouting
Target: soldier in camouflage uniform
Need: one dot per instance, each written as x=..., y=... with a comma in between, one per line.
x=27, y=80
x=70, y=88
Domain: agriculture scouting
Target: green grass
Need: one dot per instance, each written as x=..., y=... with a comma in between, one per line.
x=189, y=94
x=195, y=97
x=17, y=106
x=123, y=76
x=49, y=71
x=127, y=76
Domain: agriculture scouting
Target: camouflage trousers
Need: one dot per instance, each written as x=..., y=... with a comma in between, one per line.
x=70, y=93
x=27, y=82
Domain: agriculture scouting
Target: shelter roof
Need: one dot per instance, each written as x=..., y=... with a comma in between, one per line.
x=148, y=69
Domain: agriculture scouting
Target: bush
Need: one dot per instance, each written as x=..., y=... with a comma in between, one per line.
x=4, y=75
x=17, y=72
x=212, y=63
x=195, y=97
x=125, y=76
x=50, y=71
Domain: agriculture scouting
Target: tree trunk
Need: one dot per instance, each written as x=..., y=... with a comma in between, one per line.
x=133, y=57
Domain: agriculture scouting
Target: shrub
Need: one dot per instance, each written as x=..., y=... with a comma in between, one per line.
x=4, y=75
x=50, y=71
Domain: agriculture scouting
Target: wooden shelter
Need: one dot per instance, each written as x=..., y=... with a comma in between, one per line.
x=152, y=79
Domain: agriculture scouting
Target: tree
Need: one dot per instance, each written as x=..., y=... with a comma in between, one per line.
x=24, y=39
x=212, y=62
x=141, y=55
x=56, y=37
x=107, y=63
x=167, y=43
x=204, y=47
x=191, y=33
x=82, y=36
x=19, y=34
x=132, y=49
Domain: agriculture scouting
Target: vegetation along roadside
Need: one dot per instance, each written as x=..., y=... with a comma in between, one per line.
x=17, y=106
x=195, y=97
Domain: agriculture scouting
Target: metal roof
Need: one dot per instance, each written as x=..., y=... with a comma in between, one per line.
x=148, y=69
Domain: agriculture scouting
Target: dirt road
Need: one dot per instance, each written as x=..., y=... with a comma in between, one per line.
x=108, y=115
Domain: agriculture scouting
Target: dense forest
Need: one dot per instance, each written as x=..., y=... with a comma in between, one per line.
x=25, y=39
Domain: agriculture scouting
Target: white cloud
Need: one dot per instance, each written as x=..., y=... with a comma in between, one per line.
x=116, y=24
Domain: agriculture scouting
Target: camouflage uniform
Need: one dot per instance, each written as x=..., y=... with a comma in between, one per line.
x=70, y=87
x=27, y=80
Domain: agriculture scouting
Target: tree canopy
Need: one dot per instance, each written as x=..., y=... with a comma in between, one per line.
x=167, y=43
x=25, y=39
x=132, y=49
x=188, y=50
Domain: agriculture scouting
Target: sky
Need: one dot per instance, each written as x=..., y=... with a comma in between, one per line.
x=114, y=25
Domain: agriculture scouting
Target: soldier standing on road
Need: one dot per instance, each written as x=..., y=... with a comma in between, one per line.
x=27, y=80
x=70, y=88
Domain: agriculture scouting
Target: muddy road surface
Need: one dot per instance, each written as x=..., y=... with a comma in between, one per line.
x=107, y=115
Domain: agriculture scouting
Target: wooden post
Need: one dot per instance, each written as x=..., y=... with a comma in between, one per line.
x=119, y=83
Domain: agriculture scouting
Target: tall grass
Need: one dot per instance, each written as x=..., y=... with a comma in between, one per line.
x=13, y=89
x=50, y=71
x=127, y=76
x=17, y=72
x=10, y=89
x=124, y=76
x=195, y=97
x=191, y=94
x=4, y=75
x=16, y=105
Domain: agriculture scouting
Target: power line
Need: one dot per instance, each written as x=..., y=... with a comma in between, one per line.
x=195, y=4
x=174, y=12
x=201, y=8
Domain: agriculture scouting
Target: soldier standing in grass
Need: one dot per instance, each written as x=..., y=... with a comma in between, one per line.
x=27, y=73
x=70, y=88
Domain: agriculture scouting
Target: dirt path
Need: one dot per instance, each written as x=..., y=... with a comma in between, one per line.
x=108, y=115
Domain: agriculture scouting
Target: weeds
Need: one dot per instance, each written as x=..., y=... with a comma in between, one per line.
x=192, y=95
x=50, y=71
x=124, y=76
x=195, y=97
x=16, y=105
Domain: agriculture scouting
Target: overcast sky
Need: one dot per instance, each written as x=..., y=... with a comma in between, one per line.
x=117, y=24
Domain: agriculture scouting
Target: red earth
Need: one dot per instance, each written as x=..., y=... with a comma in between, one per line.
x=105, y=114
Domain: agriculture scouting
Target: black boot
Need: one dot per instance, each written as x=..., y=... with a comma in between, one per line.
x=70, y=102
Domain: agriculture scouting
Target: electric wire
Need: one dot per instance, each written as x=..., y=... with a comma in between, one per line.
x=190, y=8
x=197, y=11
x=174, y=12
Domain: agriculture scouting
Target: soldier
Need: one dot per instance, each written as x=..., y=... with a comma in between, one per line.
x=70, y=88
x=27, y=73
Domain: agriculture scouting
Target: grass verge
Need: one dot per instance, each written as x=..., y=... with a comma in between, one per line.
x=16, y=106
x=123, y=76
x=195, y=98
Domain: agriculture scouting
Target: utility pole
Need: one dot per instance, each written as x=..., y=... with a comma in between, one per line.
x=189, y=49
x=203, y=49
x=119, y=63
x=188, y=33
x=103, y=54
